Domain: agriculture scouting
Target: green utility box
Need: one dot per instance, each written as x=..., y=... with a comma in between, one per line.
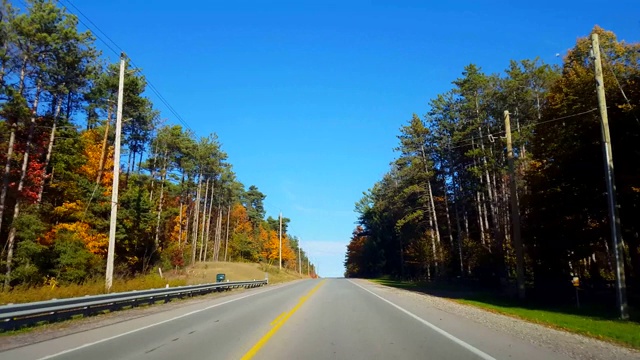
x=220, y=277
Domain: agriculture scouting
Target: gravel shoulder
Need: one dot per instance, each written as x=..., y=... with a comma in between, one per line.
x=562, y=342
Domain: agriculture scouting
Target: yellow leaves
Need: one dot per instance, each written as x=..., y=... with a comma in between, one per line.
x=175, y=232
x=69, y=209
x=93, y=153
x=96, y=243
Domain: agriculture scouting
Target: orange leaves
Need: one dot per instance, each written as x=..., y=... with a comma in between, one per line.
x=240, y=219
x=175, y=232
x=93, y=153
x=271, y=246
x=96, y=243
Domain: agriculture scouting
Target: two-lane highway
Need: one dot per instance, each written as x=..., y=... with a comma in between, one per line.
x=314, y=319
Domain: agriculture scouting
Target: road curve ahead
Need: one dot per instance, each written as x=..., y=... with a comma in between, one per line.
x=314, y=319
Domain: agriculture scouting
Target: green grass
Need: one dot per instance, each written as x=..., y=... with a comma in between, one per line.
x=588, y=320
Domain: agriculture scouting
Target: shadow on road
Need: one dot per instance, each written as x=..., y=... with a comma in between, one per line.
x=601, y=308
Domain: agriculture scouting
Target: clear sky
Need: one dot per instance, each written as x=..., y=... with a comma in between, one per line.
x=307, y=96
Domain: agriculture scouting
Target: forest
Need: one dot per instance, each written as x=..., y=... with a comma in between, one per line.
x=442, y=212
x=180, y=201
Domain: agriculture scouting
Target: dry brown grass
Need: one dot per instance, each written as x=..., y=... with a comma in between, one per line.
x=22, y=294
x=206, y=272
x=200, y=274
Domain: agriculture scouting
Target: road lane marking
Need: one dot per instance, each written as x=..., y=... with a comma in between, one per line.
x=283, y=319
x=155, y=324
x=465, y=345
x=277, y=319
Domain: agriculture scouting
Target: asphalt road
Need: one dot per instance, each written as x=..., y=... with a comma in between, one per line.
x=311, y=319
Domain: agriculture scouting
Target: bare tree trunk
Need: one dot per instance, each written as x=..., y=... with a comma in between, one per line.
x=156, y=242
x=492, y=193
x=140, y=161
x=188, y=214
x=466, y=221
x=456, y=199
x=180, y=224
x=180, y=216
x=214, y=254
x=480, y=220
x=433, y=218
x=153, y=172
x=23, y=174
x=52, y=138
x=485, y=218
x=216, y=247
x=23, y=73
x=204, y=216
x=3, y=68
x=433, y=241
x=103, y=155
x=7, y=171
x=208, y=233
x=196, y=217
x=130, y=163
x=12, y=138
x=482, y=216
x=459, y=237
x=226, y=241
x=448, y=217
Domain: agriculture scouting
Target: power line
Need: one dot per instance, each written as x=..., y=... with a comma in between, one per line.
x=88, y=27
x=609, y=64
x=96, y=26
x=153, y=88
x=467, y=142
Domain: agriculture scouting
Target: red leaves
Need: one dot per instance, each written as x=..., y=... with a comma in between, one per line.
x=35, y=173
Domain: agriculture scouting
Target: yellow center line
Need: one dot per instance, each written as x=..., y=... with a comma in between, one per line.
x=275, y=321
x=280, y=320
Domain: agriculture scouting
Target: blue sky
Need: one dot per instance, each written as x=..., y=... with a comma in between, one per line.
x=307, y=96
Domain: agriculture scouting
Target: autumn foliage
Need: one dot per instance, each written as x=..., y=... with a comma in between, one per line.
x=179, y=201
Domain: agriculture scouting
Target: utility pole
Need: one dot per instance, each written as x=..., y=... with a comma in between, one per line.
x=299, y=260
x=515, y=212
x=116, y=179
x=307, y=265
x=280, y=247
x=616, y=236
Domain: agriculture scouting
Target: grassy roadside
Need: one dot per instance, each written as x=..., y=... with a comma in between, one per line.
x=588, y=321
x=201, y=273
x=206, y=272
x=47, y=292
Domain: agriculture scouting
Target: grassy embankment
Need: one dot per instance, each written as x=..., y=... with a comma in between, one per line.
x=201, y=273
x=592, y=320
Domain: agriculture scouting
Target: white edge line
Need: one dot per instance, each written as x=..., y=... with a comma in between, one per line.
x=154, y=324
x=465, y=345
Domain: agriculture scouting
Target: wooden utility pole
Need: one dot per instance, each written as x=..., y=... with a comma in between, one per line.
x=299, y=260
x=116, y=179
x=515, y=211
x=616, y=236
x=280, y=247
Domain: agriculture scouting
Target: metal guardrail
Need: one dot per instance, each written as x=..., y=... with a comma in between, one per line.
x=15, y=316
